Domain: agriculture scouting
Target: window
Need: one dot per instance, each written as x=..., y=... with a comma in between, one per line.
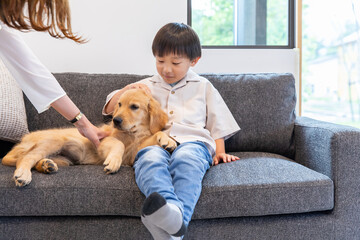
x=331, y=61
x=243, y=23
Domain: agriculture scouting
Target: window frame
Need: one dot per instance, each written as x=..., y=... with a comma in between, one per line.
x=291, y=32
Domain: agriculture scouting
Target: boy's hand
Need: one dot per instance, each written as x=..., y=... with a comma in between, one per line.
x=224, y=157
x=109, y=108
x=138, y=86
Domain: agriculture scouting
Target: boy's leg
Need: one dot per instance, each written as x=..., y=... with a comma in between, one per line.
x=161, y=207
x=188, y=165
x=152, y=173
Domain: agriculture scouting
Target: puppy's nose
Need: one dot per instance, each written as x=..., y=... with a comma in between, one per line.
x=117, y=121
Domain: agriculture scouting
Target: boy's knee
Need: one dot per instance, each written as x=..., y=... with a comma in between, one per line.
x=151, y=153
x=191, y=150
x=150, y=150
x=193, y=154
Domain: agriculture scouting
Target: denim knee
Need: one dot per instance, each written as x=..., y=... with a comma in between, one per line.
x=149, y=158
x=151, y=153
x=194, y=152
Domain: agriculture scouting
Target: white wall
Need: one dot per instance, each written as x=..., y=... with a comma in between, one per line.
x=121, y=34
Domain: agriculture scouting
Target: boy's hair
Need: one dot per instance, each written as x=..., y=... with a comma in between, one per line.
x=177, y=38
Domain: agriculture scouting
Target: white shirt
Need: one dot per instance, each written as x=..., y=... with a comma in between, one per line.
x=36, y=81
x=195, y=108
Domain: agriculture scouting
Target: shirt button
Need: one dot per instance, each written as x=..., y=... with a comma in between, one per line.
x=171, y=112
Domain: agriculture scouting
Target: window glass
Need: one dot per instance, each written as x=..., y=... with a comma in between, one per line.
x=257, y=23
x=331, y=61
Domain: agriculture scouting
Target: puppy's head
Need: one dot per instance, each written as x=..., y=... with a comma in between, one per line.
x=138, y=111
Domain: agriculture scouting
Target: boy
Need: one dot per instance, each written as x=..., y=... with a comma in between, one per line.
x=199, y=121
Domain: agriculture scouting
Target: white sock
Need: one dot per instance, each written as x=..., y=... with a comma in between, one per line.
x=156, y=232
x=164, y=215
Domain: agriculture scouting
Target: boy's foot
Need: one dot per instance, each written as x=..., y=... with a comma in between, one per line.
x=164, y=215
x=156, y=232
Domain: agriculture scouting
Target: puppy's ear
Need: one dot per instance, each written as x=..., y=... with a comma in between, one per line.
x=158, y=118
x=116, y=107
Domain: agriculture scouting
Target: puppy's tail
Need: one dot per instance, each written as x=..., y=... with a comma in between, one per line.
x=18, y=151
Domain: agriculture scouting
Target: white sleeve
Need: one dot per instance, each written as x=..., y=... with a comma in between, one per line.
x=36, y=81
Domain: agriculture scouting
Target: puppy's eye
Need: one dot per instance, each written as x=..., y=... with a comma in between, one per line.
x=134, y=107
x=119, y=104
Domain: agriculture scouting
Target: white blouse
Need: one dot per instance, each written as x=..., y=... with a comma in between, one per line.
x=36, y=81
x=196, y=110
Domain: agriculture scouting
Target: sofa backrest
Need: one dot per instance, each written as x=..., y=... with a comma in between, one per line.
x=262, y=104
x=87, y=91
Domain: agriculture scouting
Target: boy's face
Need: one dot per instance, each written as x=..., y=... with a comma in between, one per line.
x=172, y=68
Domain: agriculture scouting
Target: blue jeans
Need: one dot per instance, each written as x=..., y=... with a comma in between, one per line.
x=177, y=176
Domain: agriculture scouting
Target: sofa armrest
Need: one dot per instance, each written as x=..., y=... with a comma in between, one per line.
x=333, y=150
x=328, y=148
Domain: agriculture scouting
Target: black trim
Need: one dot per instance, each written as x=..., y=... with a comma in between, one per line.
x=291, y=24
x=189, y=22
x=5, y=147
x=291, y=32
x=261, y=22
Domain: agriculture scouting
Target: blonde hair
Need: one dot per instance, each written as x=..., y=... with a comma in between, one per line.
x=52, y=16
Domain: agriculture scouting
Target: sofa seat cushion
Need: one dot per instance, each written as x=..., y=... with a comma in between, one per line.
x=76, y=190
x=257, y=184
x=263, y=184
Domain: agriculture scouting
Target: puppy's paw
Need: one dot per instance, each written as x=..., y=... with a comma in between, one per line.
x=165, y=142
x=46, y=166
x=112, y=165
x=22, y=177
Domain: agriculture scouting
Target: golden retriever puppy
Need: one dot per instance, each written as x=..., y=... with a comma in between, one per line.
x=137, y=123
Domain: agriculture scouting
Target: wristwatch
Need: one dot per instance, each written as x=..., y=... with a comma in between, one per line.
x=77, y=118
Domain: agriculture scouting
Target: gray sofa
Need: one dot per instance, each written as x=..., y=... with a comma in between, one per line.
x=297, y=178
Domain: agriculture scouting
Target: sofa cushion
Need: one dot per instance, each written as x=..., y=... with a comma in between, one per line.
x=263, y=184
x=13, y=124
x=257, y=184
x=263, y=104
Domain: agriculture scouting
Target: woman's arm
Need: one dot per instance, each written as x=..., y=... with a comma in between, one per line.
x=39, y=85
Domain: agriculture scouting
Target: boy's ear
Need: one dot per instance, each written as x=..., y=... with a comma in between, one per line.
x=194, y=62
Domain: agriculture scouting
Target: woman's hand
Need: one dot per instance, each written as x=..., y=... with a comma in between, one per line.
x=68, y=109
x=224, y=157
x=88, y=130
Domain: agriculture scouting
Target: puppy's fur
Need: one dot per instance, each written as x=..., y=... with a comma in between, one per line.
x=137, y=123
